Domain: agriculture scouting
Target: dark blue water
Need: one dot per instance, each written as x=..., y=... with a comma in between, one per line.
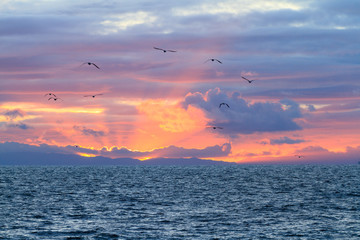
x=235, y=202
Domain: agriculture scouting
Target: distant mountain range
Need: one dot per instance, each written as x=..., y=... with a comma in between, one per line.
x=57, y=159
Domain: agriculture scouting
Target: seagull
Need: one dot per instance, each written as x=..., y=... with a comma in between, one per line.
x=50, y=94
x=299, y=156
x=214, y=127
x=250, y=81
x=164, y=50
x=93, y=96
x=90, y=63
x=213, y=59
x=224, y=104
x=54, y=98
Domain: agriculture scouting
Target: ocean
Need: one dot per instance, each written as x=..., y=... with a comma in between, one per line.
x=169, y=202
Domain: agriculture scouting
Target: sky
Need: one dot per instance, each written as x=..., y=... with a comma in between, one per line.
x=303, y=55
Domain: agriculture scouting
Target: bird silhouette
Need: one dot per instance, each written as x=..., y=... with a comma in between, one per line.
x=54, y=99
x=213, y=59
x=93, y=96
x=215, y=127
x=249, y=81
x=299, y=156
x=90, y=63
x=164, y=50
x=225, y=104
x=50, y=94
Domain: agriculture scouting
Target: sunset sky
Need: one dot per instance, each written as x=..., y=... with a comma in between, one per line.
x=304, y=56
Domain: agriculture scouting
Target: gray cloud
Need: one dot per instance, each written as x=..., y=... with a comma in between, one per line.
x=336, y=91
x=285, y=140
x=311, y=108
x=89, y=132
x=243, y=117
x=12, y=122
x=22, y=126
x=171, y=151
x=208, y=152
x=13, y=114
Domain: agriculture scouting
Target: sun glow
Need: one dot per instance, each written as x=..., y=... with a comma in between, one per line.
x=86, y=155
x=36, y=108
x=171, y=117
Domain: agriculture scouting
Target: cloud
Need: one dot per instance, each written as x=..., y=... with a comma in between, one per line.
x=208, y=152
x=285, y=140
x=311, y=108
x=13, y=114
x=170, y=151
x=243, y=117
x=336, y=91
x=89, y=131
x=318, y=154
x=313, y=150
x=12, y=119
x=115, y=152
x=344, y=106
x=234, y=7
x=22, y=126
x=124, y=21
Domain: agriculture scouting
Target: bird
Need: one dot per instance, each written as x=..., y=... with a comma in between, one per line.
x=90, y=63
x=54, y=98
x=50, y=94
x=225, y=104
x=299, y=156
x=249, y=81
x=93, y=96
x=164, y=50
x=214, y=127
x=213, y=59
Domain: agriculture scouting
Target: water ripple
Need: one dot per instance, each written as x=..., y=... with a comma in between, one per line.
x=235, y=202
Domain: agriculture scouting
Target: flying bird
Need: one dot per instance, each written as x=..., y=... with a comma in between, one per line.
x=54, y=99
x=299, y=156
x=50, y=94
x=249, y=81
x=214, y=127
x=93, y=96
x=90, y=63
x=164, y=50
x=213, y=59
x=225, y=104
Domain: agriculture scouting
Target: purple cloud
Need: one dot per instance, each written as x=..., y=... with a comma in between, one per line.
x=285, y=140
x=171, y=151
x=89, y=132
x=22, y=126
x=13, y=114
x=243, y=117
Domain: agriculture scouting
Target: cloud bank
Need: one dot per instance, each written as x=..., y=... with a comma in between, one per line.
x=171, y=151
x=243, y=117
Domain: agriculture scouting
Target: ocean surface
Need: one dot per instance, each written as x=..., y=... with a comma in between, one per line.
x=208, y=202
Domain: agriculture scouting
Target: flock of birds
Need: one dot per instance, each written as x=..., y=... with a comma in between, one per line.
x=53, y=97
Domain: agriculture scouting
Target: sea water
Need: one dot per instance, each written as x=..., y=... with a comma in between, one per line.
x=207, y=202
